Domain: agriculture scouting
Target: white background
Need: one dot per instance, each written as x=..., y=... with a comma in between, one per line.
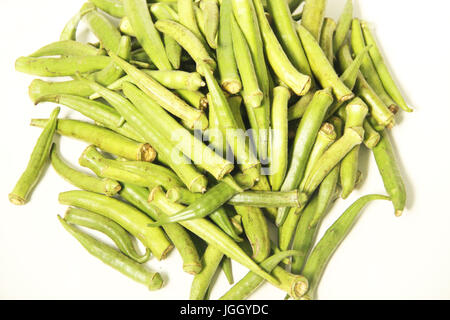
x=383, y=258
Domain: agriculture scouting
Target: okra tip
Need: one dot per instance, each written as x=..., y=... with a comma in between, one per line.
x=156, y=282
x=398, y=213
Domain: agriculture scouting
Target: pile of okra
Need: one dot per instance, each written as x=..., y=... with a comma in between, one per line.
x=212, y=122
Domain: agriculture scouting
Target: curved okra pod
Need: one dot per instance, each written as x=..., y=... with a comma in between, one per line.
x=382, y=70
x=188, y=41
x=146, y=33
x=38, y=158
x=350, y=75
x=103, y=138
x=304, y=142
x=70, y=29
x=105, y=31
x=326, y=136
x=356, y=112
x=113, y=72
x=210, y=9
x=105, y=225
x=367, y=67
x=162, y=96
x=378, y=110
x=180, y=238
x=219, y=217
x=252, y=94
x=67, y=48
x=111, y=7
x=280, y=63
x=313, y=16
x=134, y=172
x=115, y=259
x=343, y=26
x=60, y=67
x=245, y=287
x=211, y=260
x=284, y=25
x=210, y=202
x=326, y=38
x=321, y=66
x=40, y=89
x=81, y=180
x=183, y=139
x=390, y=172
x=209, y=233
x=249, y=164
x=321, y=254
x=131, y=219
x=334, y=155
x=99, y=112
x=226, y=60
x=187, y=17
x=278, y=150
x=256, y=231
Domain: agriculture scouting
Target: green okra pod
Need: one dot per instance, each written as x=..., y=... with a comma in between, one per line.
x=343, y=26
x=184, y=140
x=180, y=238
x=70, y=29
x=187, y=18
x=112, y=7
x=256, y=231
x=97, y=111
x=146, y=33
x=113, y=72
x=103, y=138
x=285, y=27
x=390, y=172
x=67, y=48
x=131, y=219
x=139, y=173
x=81, y=180
x=210, y=202
x=378, y=110
x=252, y=94
x=382, y=70
x=313, y=16
x=279, y=139
x=226, y=60
x=115, y=259
x=38, y=158
x=40, y=89
x=162, y=96
x=326, y=136
x=269, y=199
x=227, y=269
x=280, y=63
x=105, y=225
x=326, y=38
x=209, y=233
x=321, y=66
x=60, y=67
x=211, y=260
x=321, y=254
x=251, y=281
x=188, y=41
x=367, y=67
x=304, y=142
x=105, y=31
x=334, y=155
x=356, y=112
x=210, y=9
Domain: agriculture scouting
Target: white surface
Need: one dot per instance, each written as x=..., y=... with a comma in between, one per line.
x=383, y=258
